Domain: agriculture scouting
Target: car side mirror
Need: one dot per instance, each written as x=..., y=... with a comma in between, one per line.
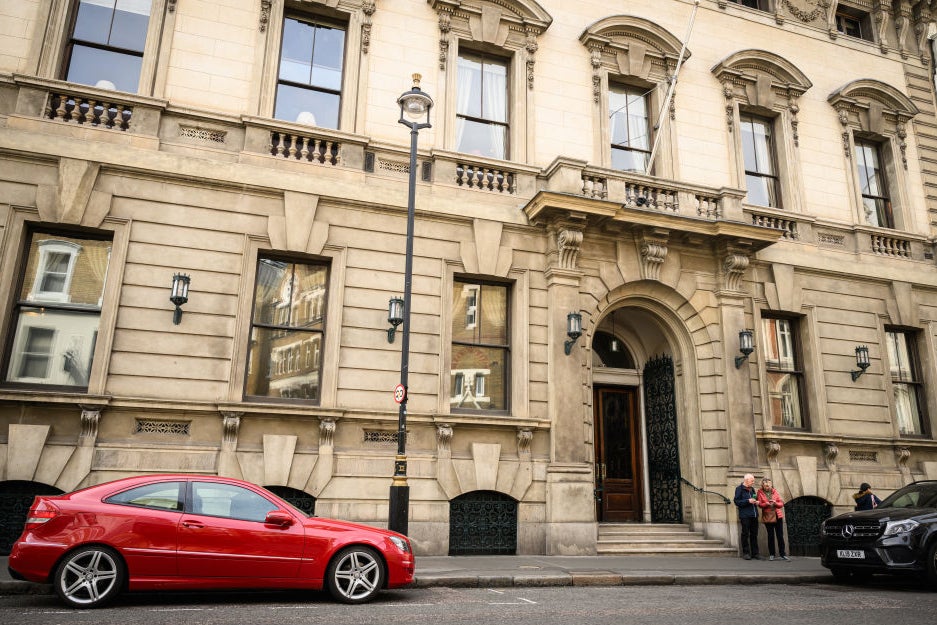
x=278, y=518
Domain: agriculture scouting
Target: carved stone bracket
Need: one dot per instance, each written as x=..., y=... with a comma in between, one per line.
x=830, y=452
x=595, y=54
x=445, y=25
x=230, y=424
x=734, y=265
x=444, y=437
x=903, y=144
x=903, y=26
x=729, y=93
x=880, y=13
x=326, y=432
x=524, y=438
x=794, y=109
x=90, y=416
x=367, y=9
x=772, y=449
x=531, y=47
x=171, y=6
x=653, y=253
x=921, y=30
x=568, y=244
x=264, y=14
x=844, y=122
x=902, y=455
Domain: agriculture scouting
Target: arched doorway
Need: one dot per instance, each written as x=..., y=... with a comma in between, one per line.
x=482, y=522
x=16, y=496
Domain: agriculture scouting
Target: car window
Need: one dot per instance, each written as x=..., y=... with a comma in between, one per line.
x=161, y=495
x=918, y=496
x=229, y=500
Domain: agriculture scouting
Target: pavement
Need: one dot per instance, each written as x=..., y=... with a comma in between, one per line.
x=533, y=570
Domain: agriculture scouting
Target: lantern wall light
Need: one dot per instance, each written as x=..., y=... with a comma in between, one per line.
x=179, y=295
x=573, y=330
x=862, y=361
x=394, y=316
x=746, y=346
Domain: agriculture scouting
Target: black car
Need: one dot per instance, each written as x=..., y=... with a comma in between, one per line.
x=897, y=537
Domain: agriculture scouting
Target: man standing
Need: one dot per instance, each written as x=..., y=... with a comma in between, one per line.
x=746, y=501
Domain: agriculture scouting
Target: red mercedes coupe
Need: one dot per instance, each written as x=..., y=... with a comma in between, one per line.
x=174, y=532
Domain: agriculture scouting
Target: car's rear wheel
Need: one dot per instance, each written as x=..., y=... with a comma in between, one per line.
x=355, y=575
x=932, y=565
x=90, y=577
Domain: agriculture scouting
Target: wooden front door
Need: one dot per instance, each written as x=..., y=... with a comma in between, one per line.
x=618, y=455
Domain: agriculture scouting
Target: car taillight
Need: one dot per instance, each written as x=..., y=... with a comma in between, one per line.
x=40, y=515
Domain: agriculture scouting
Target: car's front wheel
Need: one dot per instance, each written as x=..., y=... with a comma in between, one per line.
x=932, y=565
x=355, y=575
x=90, y=577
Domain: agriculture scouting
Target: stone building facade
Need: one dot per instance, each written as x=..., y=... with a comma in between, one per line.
x=783, y=192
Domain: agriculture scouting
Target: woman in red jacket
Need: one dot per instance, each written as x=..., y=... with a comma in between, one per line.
x=772, y=515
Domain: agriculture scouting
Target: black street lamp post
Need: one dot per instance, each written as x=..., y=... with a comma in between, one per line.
x=414, y=113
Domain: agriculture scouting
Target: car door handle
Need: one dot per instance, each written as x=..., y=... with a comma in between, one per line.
x=192, y=524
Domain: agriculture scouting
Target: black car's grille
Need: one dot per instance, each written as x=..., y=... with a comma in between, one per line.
x=854, y=529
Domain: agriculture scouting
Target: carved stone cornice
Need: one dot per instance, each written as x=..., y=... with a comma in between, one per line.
x=326, y=432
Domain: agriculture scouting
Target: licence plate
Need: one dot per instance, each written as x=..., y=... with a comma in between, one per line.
x=850, y=554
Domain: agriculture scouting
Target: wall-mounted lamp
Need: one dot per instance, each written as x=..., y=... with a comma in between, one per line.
x=394, y=316
x=180, y=295
x=862, y=361
x=573, y=330
x=614, y=346
x=746, y=346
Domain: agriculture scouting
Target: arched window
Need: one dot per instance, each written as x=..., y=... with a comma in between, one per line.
x=803, y=517
x=482, y=522
x=302, y=500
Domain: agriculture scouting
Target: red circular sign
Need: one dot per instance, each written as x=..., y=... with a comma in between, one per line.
x=400, y=393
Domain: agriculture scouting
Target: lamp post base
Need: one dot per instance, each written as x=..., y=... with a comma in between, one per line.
x=397, y=520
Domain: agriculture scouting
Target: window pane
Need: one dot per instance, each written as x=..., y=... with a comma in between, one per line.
x=56, y=263
x=469, y=87
x=93, y=21
x=494, y=91
x=469, y=363
x=53, y=347
x=291, y=101
x=629, y=160
x=296, y=55
x=479, y=313
x=870, y=173
x=481, y=139
x=130, y=23
x=164, y=495
x=308, y=304
x=760, y=190
x=906, y=406
x=284, y=364
x=273, y=288
x=327, y=58
x=784, y=399
x=230, y=501
x=899, y=357
x=88, y=66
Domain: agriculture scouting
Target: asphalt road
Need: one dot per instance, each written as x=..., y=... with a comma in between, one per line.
x=882, y=602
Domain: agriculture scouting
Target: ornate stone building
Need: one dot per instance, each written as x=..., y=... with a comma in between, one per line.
x=749, y=249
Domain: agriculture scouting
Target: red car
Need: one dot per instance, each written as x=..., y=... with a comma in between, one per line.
x=162, y=532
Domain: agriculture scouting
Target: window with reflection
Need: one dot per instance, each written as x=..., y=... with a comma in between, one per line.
x=480, y=346
x=628, y=127
x=57, y=310
x=287, y=326
x=482, y=106
x=854, y=22
x=106, y=45
x=309, y=83
x=876, y=205
x=905, y=372
x=758, y=151
x=783, y=371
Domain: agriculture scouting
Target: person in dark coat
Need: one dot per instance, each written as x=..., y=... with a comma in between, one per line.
x=865, y=498
x=746, y=500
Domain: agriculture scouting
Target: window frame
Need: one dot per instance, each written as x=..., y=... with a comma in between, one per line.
x=911, y=338
x=15, y=343
x=775, y=196
x=506, y=348
x=760, y=5
x=861, y=18
x=322, y=332
x=875, y=147
x=797, y=371
x=644, y=93
x=486, y=58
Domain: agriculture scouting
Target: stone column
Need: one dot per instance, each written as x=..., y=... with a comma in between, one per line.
x=570, y=514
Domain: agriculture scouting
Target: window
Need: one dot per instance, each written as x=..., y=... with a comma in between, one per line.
x=105, y=48
x=854, y=23
x=289, y=313
x=761, y=5
x=482, y=110
x=162, y=495
x=229, y=501
x=57, y=311
x=628, y=128
x=480, y=351
x=904, y=370
x=761, y=178
x=876, y=206
x=783, y=372
x=309, y=84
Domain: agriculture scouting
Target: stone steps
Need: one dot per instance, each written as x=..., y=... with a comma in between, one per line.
x=656, y=538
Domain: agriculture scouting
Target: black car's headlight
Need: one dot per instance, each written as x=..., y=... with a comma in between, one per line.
x=400, y=543
x=823, y=529
x=893, y=528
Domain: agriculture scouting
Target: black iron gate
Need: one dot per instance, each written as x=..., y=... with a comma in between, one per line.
x=663, y=456
x=16, y=496
x=803, y=517
x=302, y=500
x=482, y=522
